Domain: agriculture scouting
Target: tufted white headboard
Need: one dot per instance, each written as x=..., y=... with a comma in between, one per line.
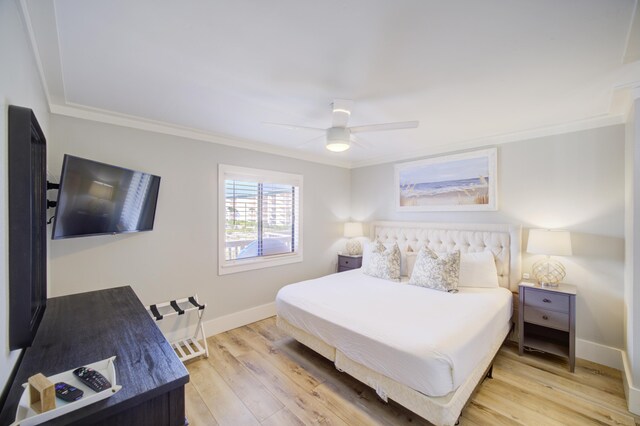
x=502, y=240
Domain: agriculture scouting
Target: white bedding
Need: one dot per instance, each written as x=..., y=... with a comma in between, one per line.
x=426, y=339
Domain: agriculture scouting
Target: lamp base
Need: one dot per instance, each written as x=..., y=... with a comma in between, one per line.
x=354, y=247
x=548, y=272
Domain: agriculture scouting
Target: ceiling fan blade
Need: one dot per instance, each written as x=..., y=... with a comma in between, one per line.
x=359, y=143
x=341, y=111
x=385, y=126
x=311, y=141
x=292, y=126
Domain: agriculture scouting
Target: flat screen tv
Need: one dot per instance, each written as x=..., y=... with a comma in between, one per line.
x=100, y=199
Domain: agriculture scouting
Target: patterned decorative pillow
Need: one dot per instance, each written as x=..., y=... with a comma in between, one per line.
x=438, y=272
x=384, y=262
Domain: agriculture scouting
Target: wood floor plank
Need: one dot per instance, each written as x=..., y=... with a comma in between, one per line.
x=268, y=329
x=292, y=369
x=543, y=405
x=558, y=381
x=560, y=400
x=234, y=346
x=196, y=410
x=301, y=403
x=506, y=406
x=483, y=415
x=224, y=404
x=249, y=389
x=283, y=417
x=315, y=364
x=599, y=377
x=255, y=365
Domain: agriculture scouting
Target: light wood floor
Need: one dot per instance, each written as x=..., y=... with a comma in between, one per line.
x=256, y=375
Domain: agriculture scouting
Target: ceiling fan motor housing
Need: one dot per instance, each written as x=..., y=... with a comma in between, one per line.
x=338, y=134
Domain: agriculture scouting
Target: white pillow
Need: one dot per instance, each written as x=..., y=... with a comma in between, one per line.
x=366, y=252
x=410, y=261
x=403, y=263
x=478, y=270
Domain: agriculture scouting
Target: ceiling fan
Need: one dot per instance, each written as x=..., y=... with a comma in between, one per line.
x=339, y=137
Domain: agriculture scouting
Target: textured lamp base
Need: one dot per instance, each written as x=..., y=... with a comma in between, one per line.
x=354, y=247
x=548, y=272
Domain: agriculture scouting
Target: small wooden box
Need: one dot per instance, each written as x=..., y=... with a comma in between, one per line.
x=42, y=394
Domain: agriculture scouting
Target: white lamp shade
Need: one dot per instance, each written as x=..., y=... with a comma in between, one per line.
x=353, y=229
x=550, y=242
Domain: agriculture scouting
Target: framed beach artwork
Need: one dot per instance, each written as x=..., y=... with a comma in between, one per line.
x=460, y=182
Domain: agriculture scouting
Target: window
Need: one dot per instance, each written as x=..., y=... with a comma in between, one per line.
x=260, y=218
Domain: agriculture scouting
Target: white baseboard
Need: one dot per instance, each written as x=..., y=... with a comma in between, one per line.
x=600, y=354
x=614, y=358
x=238, y=319
x=632, y=393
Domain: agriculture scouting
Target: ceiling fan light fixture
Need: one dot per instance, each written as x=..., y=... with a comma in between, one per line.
x=338, y=139
x=338, y=146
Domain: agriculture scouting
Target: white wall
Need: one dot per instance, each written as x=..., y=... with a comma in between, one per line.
x=573, y=181
x=179, y=257
x=19, y=85
x=632, y=256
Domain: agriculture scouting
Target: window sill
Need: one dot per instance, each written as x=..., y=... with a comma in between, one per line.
x=235, y=266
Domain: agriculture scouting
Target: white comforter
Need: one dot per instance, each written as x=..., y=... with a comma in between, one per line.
x=426, y=339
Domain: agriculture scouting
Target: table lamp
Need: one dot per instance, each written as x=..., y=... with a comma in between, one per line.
x=549, y=242
x=352, y=230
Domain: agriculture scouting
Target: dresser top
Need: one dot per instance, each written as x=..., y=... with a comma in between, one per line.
x=349, y=255
x=561, y=288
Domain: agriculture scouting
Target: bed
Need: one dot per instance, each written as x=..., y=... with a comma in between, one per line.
x=425, y=349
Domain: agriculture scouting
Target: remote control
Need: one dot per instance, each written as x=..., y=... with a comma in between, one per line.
x=92, y=378
x=68, y=393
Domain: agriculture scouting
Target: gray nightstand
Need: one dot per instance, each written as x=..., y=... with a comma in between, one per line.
x=347, y=263
x=547, y=320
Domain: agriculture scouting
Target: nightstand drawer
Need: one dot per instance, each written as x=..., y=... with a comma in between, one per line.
x=551, y=319
x=349, y=262
x=546, y=300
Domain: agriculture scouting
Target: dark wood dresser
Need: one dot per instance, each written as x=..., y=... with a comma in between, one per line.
x=83, y=328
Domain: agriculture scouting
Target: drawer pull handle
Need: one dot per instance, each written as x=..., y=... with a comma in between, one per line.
x=346, y=261
x=544, y=317
x=546, y=300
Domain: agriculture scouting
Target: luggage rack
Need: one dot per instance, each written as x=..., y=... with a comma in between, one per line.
x=189, y=347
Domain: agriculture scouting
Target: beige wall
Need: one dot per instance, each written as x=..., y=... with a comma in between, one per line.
x=632, y=243
x=179, y=257
x=19, y=85
x=573, y=181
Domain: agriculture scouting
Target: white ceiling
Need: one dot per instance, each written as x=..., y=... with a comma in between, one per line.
x=473, y=73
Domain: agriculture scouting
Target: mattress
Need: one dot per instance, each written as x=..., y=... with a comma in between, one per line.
x=425, y=339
